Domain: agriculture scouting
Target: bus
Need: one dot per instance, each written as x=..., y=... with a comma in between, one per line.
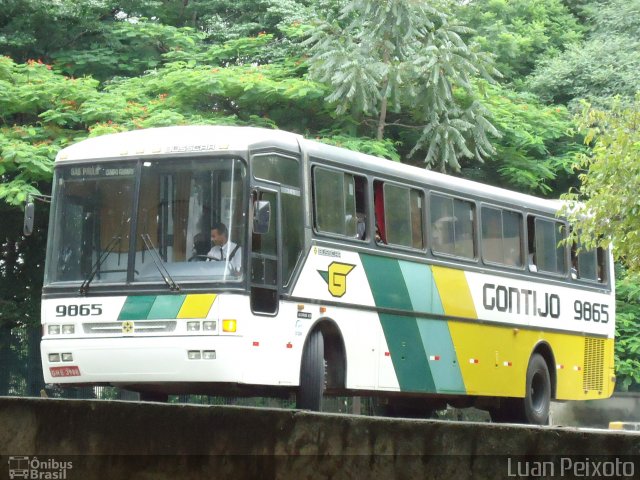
x=351, y=275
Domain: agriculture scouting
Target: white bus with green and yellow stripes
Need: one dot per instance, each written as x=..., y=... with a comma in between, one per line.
x=332, y=273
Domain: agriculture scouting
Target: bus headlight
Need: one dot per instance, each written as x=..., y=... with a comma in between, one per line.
x=68, y=329
x=54, y=329
x=67, y=357
x=54, y=357
x=193, y=326
x=208, y=326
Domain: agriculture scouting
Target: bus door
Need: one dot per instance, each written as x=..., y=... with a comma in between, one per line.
x=264, y=261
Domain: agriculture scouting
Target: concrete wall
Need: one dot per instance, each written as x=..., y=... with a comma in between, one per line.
x=104, y=439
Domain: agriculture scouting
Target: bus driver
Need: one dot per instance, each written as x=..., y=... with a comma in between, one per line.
x=223, y=249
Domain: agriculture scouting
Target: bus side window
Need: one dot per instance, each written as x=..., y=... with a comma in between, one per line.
x=452, y=222
x=588, y=265
x=339, y=203
x=378, y=200
x=361, y=207
x=546, y=249
x=501, y=236
x=403, y=215
x=531, y=244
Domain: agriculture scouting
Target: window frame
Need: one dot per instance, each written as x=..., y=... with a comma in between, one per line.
x=599, y=253
x=523, y=255
x=313, y=166
x=423, y=199
x=567, y=259
x=474, y=228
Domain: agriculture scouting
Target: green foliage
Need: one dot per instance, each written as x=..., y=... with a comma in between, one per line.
x=39, y=113
x=126, y=48
x=606, y=64
x=520, y=32
x=33, y=29
x=536, y=150
x=610, y=182
x=379, y=148
x=627, y=346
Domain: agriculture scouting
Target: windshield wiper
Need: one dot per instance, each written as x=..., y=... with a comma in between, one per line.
x=155, y=256
x=84, y=288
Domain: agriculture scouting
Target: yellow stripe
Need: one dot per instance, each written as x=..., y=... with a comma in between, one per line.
x=454, y=292
x=197, y=306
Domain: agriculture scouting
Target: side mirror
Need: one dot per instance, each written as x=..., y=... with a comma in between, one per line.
x=29, y=211
x=261, y=217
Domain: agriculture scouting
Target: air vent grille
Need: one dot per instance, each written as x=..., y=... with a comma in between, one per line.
x=593, y=364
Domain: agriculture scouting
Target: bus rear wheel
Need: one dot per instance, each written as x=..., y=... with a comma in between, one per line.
x=312, y=374
x=534, y=407
x=537, y=400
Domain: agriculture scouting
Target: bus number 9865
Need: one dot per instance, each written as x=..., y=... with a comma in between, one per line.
x=83, y=310
x=591, y=312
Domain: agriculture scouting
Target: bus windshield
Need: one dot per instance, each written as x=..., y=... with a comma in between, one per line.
x=178, y=204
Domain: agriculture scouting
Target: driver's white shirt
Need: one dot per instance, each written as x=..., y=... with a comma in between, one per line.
x=218, y=252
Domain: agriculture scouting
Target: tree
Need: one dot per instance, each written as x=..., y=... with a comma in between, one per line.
x=627, y=346
x=520, y=32
x=608, y=211
x=409, y=57
x=605, y=65
x=537, y=147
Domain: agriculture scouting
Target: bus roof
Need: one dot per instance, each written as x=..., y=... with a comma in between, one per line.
x=178, y=139
x=211, y=138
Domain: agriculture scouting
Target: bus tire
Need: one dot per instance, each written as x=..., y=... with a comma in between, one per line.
x=537, y=399
x=534, y=407
x=312, y=374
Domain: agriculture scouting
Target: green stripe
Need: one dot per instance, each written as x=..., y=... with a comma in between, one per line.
x=407, y=353
x=435, y=335
x=137, y=308
x=437, y=342
x=166, y=307
x=386, y=281
x=403, y=338
x=421, y=286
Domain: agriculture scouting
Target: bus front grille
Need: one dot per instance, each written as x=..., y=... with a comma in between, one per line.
x=139, y=327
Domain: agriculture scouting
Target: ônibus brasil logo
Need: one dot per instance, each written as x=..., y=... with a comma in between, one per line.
x=336, y=277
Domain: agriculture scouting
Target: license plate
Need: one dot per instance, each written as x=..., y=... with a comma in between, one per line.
x=64, y=371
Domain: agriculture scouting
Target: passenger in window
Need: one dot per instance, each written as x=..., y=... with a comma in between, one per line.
x=443, y=239
x=361, y=225
x=574, y=264
x=223, y=249
x=200, y=248
x=512, y=257
x=379, y=238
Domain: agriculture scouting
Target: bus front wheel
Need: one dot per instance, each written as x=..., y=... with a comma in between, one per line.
x=312, y=374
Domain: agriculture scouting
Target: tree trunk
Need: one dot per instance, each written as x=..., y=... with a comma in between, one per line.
x=383, y=113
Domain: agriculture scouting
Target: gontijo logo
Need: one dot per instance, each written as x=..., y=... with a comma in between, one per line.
x=336, y=277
